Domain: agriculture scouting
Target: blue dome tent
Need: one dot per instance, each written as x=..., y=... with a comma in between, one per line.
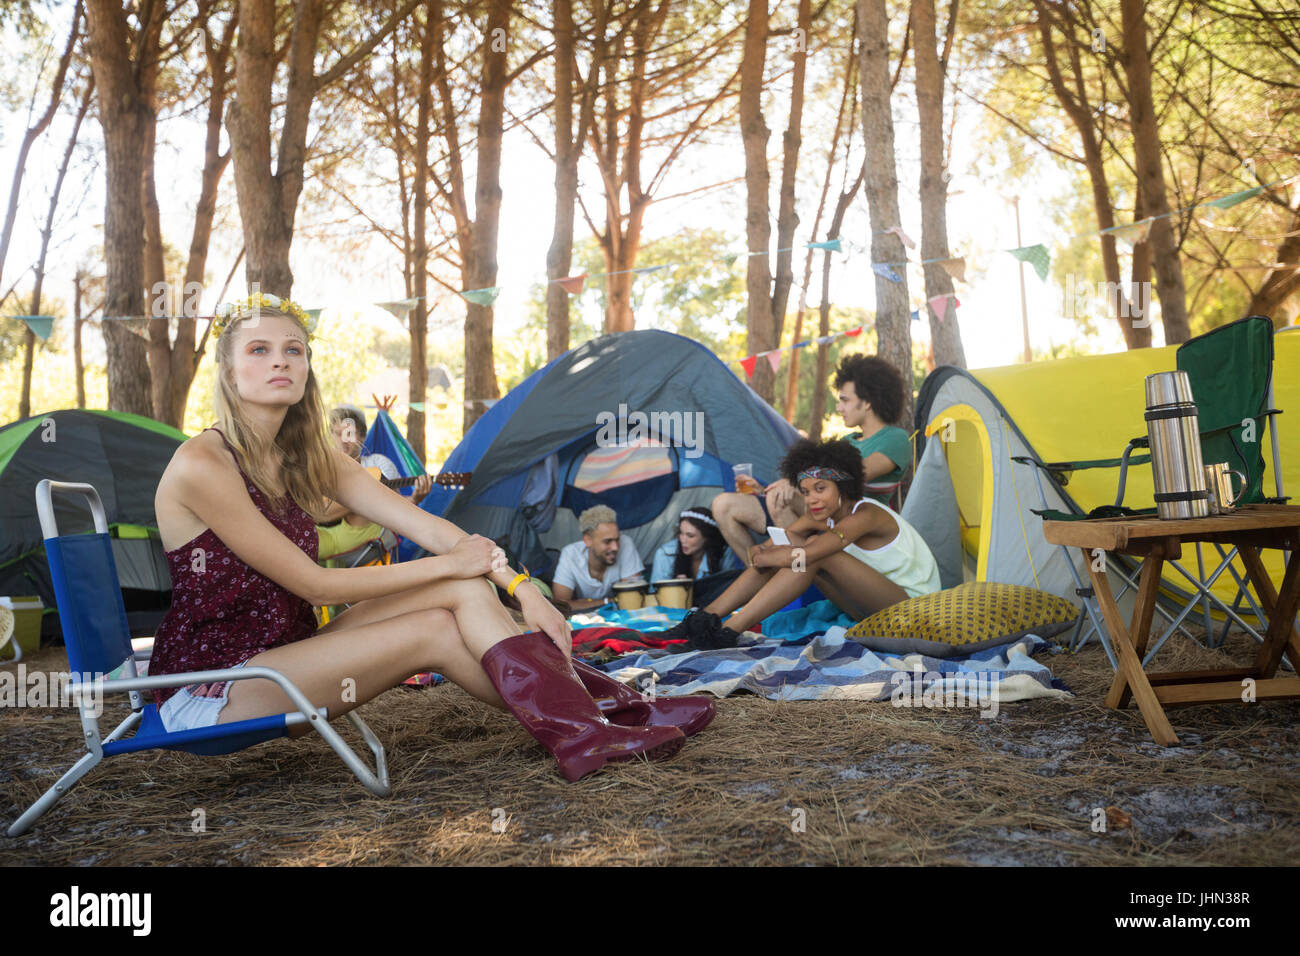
x=646, y=422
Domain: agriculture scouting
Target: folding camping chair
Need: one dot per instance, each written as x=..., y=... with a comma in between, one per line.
x=1231, y=374
x=99, y=647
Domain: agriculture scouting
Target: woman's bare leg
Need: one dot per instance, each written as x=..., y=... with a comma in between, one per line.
x=344, y=669
x=750, y=581
x=847, y=575
x=447, y=629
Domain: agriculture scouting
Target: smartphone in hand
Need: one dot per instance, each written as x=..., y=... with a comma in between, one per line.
x=778, y=535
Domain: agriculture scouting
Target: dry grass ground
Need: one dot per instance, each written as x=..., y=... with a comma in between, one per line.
x=875, y=784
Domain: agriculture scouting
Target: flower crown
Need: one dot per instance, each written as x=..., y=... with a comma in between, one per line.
x=229, y=312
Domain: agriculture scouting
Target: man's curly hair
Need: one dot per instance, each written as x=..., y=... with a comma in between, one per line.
x=875, y=381
x=837, y=454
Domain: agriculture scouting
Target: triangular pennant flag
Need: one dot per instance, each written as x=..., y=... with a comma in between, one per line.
x=314, y=314
x=940, y=305
x=481, y=296
x=748, y=365
x=646, y=270
x=852, y=332
x=833, y=245
x=489, y=402
x=916, y=315
x=774, y=359
x=826, y=339
x=802, y=345
x=1036, y=255
x=883, y=270
x=416, y=406
x=400, y=309
x=572, y=284
x=906, y=239
x=41, y=325
x=730, y=260
x=1227, y=202
x=1134, y=232
x=955, y=267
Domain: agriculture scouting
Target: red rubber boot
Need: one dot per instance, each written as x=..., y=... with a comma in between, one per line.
x=622, y=705
x=541, y=690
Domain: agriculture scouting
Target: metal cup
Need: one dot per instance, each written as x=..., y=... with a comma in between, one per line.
x=1218, y=481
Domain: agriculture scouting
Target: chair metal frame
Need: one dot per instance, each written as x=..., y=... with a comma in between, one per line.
x=143, y=717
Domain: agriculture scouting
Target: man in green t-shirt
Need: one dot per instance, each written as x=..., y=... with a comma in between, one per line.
x=870, y=398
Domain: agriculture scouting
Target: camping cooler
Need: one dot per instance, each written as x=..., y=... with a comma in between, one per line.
x=27, y=625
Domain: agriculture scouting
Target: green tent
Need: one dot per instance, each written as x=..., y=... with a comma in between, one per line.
x=123, y=456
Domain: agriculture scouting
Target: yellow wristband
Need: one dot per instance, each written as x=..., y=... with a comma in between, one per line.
x=519, y=579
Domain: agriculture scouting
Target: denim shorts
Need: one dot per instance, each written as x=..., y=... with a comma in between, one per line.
x=195, y=705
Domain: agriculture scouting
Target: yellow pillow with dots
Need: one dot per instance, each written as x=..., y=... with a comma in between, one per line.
x=961, y=620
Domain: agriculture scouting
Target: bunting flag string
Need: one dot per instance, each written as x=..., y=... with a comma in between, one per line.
x=903, y=237
x=482, y=297
x=572, y=284
x=1133, y=233
x=955, y=267
x=1037, y=255
x=41, y=325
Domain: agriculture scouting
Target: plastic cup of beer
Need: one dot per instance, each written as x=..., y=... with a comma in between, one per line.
x=745, y=483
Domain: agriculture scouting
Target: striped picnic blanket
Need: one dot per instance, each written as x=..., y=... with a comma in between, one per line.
x=804, y=655
x=832, y=667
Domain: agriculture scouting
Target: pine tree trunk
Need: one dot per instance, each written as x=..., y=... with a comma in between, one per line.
x=945, y=333
x=268, y=200
x=1079, y=109
x=893, y=331
x=786, y=219
x=34, y=133
x=559, y=257
x=480, y=370
x=1284, y=281
x=184, y=358
x=419, y=376
x=124, y=116
x=78, y=366
x=760, y=324
x=1146, y=140
x=792, y=375
x=821, y=383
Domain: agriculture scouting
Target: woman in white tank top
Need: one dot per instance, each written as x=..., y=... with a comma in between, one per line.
x=862, y=558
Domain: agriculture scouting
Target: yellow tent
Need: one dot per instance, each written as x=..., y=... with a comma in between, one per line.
x=1068, y=409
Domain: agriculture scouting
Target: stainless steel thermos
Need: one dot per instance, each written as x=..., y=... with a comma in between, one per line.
x=1175, y=439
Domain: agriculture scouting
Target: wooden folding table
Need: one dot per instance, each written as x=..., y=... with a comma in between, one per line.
x=1156, y=540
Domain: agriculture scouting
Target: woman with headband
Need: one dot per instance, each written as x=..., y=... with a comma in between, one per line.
x=694, y=552
x=235, y=508
x=860, y=553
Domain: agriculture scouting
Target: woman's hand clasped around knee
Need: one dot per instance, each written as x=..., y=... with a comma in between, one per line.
x=476, y=556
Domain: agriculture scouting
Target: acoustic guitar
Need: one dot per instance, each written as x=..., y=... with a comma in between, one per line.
x=446, y=479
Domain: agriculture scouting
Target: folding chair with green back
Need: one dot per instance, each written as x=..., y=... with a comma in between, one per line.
x=1230, y=370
